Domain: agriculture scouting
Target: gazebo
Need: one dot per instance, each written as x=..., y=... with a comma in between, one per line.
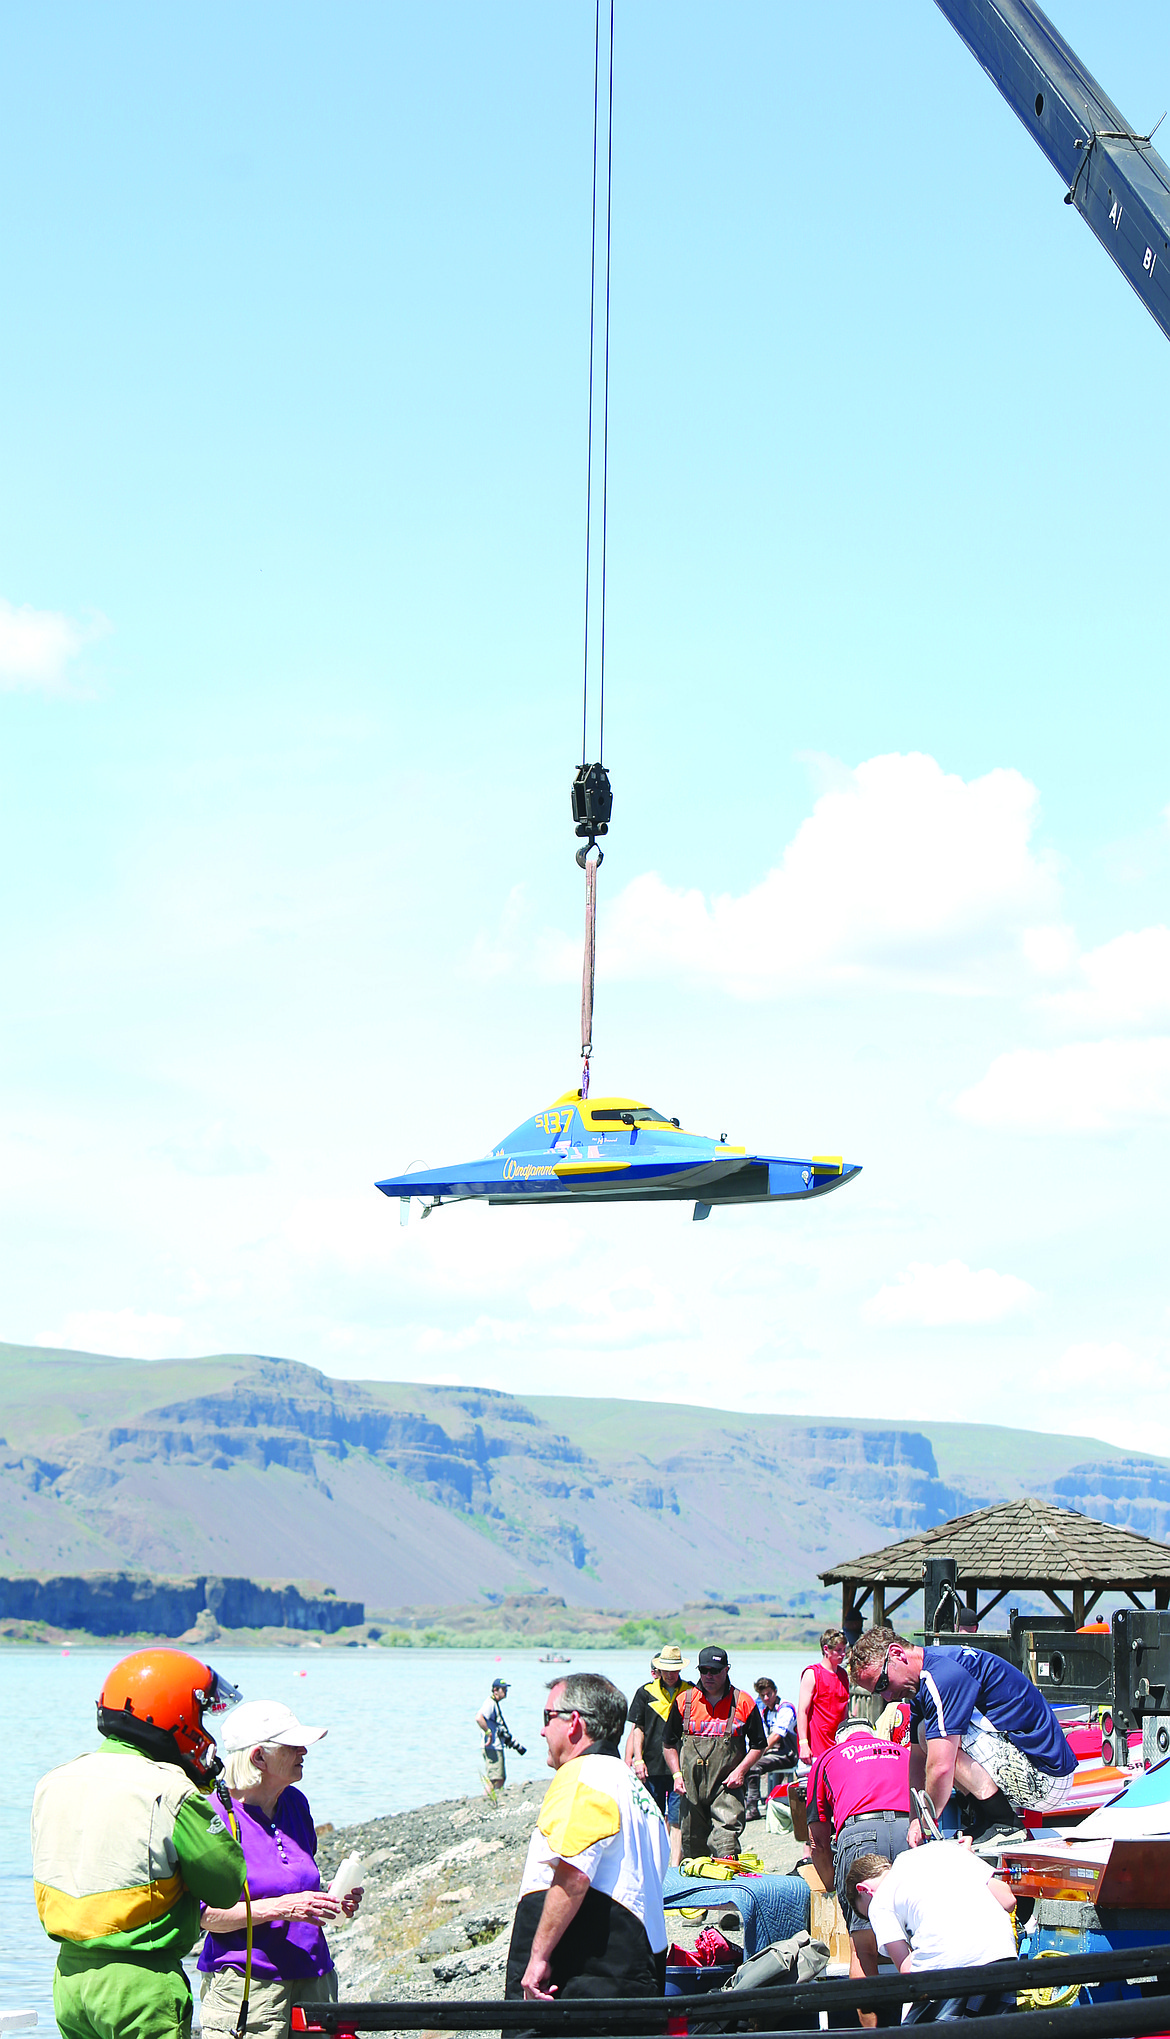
x=1024, y=1546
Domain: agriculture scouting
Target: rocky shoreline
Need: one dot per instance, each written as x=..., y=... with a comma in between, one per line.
x=441, y=1885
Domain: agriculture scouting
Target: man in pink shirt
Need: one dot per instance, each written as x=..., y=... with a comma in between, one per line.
x=858, y=1804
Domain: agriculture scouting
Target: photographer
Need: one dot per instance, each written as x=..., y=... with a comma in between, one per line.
x=496, y=1738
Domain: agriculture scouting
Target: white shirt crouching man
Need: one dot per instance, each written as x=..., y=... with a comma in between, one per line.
x=590, y=1921
x=937, y=1906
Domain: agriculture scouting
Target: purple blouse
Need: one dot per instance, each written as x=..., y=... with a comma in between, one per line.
x=281, y=1858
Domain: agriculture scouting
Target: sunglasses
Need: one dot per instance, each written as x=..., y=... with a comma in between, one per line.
x=882, y=1682
x=558, y=1713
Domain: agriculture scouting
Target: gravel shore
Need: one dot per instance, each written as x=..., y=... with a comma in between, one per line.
x=441, y=1884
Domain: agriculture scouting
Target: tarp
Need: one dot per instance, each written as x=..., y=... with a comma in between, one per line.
x=771, y=1907
x=1142, y=1808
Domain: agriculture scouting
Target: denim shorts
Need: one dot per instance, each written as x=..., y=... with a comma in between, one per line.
x=885, y=1835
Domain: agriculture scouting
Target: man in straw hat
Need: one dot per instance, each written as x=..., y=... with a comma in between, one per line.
x=648, y=1714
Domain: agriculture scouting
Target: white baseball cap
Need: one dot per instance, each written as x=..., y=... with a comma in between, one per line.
x=265, y=1720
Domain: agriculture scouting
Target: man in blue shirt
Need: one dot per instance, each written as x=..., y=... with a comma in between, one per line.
x=975, y=1722
x=779, y=1718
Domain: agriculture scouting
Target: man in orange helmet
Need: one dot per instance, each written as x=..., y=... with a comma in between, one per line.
x=126, y=1844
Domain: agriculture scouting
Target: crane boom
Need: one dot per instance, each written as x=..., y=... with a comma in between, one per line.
x=1117, y=181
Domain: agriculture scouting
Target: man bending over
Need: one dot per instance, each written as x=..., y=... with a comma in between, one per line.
x=975, y=1722
x=937, y=1907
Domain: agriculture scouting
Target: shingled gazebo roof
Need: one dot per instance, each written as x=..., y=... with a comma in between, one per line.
x=1025, y=1546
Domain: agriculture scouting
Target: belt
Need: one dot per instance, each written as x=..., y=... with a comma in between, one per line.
x=868, y=1819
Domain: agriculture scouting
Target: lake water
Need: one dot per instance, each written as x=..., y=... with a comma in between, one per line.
x=401, y=1733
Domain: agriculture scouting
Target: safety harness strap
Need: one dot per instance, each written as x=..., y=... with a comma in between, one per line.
x=241, y=2025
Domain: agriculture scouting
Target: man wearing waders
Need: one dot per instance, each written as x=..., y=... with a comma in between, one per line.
x=713, y=1737
x=126, y=1842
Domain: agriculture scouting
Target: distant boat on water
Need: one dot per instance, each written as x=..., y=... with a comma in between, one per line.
x=554, y=1657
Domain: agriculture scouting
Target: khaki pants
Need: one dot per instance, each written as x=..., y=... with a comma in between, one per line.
x=493, y=1763
x=269, y=2002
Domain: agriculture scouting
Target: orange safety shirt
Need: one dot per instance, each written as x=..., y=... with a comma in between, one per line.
x=728, y=1715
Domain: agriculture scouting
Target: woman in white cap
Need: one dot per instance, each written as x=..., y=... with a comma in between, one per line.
x=264, y=1746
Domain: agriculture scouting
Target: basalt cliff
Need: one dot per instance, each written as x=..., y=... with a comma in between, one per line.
x=401, y=1494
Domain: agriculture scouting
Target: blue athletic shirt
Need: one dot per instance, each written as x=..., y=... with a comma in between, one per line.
x=963, y=1689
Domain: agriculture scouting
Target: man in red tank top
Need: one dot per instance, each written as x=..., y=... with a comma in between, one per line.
x=823, y=1701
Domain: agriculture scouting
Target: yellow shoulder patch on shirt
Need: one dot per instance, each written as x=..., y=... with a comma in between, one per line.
x=574, y=1815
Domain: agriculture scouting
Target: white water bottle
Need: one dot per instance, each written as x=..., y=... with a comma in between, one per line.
x=348, y=1877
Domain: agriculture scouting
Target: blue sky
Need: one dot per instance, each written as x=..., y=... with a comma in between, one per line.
x=292, y=381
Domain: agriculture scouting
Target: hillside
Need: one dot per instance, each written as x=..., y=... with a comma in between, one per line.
x=403, y=1494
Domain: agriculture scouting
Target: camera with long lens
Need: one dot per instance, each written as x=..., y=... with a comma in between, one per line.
x=509, y=1741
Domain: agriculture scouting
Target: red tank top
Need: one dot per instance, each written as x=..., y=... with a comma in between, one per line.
x=830, y=1704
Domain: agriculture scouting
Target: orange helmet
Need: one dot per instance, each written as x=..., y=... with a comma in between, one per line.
x=157, y=1699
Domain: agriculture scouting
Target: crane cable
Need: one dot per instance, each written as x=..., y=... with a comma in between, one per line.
x=592, y=800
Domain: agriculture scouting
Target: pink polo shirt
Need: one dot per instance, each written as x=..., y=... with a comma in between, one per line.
x=861, y=1775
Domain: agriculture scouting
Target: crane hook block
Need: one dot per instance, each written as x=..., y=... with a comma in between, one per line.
x=592, y=797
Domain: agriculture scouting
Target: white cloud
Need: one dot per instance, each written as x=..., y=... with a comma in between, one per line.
x=1082, y=1383
x=1126, y=982
x=1101, y=1367
x=36, y=645
x=1083, y=1087
x=350, y=1231
x=124, y=1334
x=495, y=955
x=950, y=1294
x=214, y=1152
x=903, y=875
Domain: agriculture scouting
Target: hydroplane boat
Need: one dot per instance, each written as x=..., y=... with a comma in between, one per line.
x=617, y=1150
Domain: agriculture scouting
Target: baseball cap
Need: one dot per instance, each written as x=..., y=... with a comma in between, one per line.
x=265, y=1720
x=499, y=1685
x=712, y=1659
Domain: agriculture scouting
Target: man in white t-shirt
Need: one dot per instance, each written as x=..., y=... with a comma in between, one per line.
x=937, y=1906
x=590, y=1921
